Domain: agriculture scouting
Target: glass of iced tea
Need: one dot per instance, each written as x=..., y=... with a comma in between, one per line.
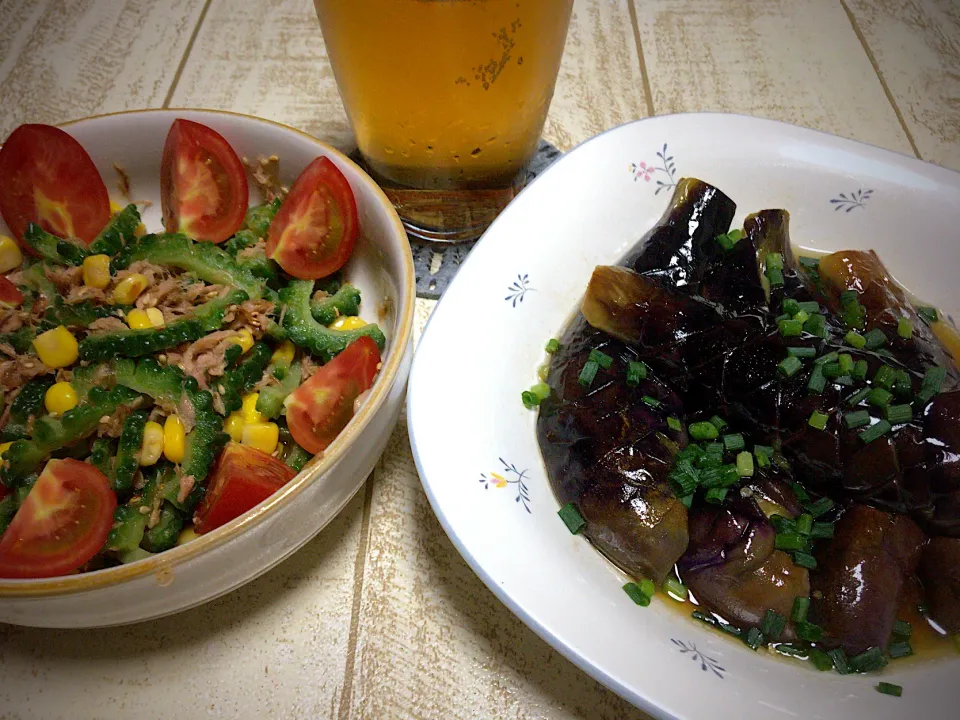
x=447, y=99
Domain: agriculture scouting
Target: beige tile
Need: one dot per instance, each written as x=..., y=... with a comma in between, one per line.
x=66, y=60
x=433, y=642
x=266, y=59
x=916, y=47
x=277, y=647
x=799, y=62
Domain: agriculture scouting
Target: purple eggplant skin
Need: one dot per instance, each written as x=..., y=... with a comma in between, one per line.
x=861, y=576
x=678, y=250
x=940, y=575
x=733, y=568
x=608, y=452
x=732, y=281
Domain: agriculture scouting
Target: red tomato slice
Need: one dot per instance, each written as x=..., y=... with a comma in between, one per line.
x=9, y=293
x=320, y=408
x=242, y=478
x=203, y=187
x=61, y=525
x=314, y=232
x=48, y=179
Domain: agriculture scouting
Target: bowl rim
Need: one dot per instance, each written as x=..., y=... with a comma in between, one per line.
x=164, y=562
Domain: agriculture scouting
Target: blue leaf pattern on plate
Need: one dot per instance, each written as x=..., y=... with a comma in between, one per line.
x=853, y=201
x=510, y=475
x=518, y=290
x=707, y=663
x=666, y=165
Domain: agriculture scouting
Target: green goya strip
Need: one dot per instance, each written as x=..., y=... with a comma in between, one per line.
x=296, y=457
x=164, y=534
x=270, y=402
x=258, y=218
x=52, y=248
x=28, y=403
x=129, y=524
x=120, y=230
x=305, y=331
x=101, y=455
x=206, y=318
x=82, y=314
x=241, y=241
x=239, y=379
x=205, y=260
x=51, y=434
x=8, y=508
x=345, y=302
x=20, y=340
x=128, y=452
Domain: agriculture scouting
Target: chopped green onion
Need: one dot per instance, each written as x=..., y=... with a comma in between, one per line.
x=821, y=531
x=754, y=638
x=848, y=297
x=687, y=500
x=855, y=339
x=879, y=397
x=552, y=345
x=541, y=390
x=808, y=631
x=588, y=373
x=827, y=358
x=801, y=317
x=775, y=277
x=830, y=370
x=820, y=507
x=773, y=625
x=890, y=689
x=902, y=629
x=790, y=541
x=791, y=650
x=879, y=428
x=821, y=661
x=929, y=314
x=674, y=424
x=715, y=496
x=775, y=260
x=801, y=606
x=718, y=422
x=802, y=352
x=728, y=240
x=783, y=524
x=816, y=325
x=904, y=328
x=703, y=431
x=762, y=460
x=874, y=339
x=885, y=377
x=543, y=371
x=805, y=560
x=854, y=316
x=733, y=442
x=789, y=366
x=676, y=589
x=715, y=450
x=810, y=306
x=790, y=328
x=530, y=400
x=648, y=587
x=858, y=397
x=572, y=518
x=840, y=662
x=800, y=493
x=868, y=661
x=844, y=380
x=705, y=619
x=860, y=368
x=600, y=358
x=900, y=649
x=745, y=464
x=854, y=420
x=810, y=263
x=818, y=420
x=636, y=594
x=846, y=364
x=650, y=401
x=817, y=382
x=903, y=385
x=805, y=524
x=896, y=414
x=790, y=306
x=933, y=378
x=636, y=371
x=766, y=450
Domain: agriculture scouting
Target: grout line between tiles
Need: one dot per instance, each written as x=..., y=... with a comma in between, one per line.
x=883, y=81
x=186, y=54
x=648, y=93
x=347, y=691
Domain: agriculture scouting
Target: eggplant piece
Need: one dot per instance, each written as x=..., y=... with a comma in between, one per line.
x=677, y=251
x=940, y=574
x=732, y=281
x=733, y=568
x=861, y=575
x=941, y=428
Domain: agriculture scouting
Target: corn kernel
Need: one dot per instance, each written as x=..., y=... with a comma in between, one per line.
x=347, y=322
x=96, y=271
x=138, y=319
x=249, y=409
x=188, y=534
x=261, y=435
x=234, y=426
x=244, y=338
x=115, y=207
x=56, y=348
x=283, y=355
x=156, y=317
x=4, y=447
x=152, y=445
x=10, y=255
x=129, y=289
x=59, y=398
x=174, y=439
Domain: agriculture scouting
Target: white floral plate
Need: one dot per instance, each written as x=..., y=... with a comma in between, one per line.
x=475, y=445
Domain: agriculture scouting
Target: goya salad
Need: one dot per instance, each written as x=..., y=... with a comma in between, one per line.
x=156, y=386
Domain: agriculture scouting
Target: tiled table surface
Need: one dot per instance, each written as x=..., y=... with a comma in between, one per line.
x=379, y=617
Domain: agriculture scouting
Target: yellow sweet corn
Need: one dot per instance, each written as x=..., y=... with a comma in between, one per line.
x=261, y=435
x=115, y=207
x=249, y=409
x=174, y=439
x=138, y=319
x=347, y=322
x=129, y=289
x=284, y=353
x=10, y=255
x=233, y=426
x=4, y=447
x=59, y=398
x=96, y=271
x=244, y=339
x=188, y=534
x=152, y=445
x=56, y=348
x=156, y=317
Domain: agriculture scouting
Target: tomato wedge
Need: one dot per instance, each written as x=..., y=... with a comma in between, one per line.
x=203, y=187
x=50, y=180
x=314, y=232
x=242, y=478
x=9, y=293
x=320, y=408
x=62, y=524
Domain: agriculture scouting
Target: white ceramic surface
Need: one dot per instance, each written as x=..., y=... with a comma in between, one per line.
x=381, y=266
x=479, y=459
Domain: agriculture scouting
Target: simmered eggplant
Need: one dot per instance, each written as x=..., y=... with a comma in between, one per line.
x=940, y=573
